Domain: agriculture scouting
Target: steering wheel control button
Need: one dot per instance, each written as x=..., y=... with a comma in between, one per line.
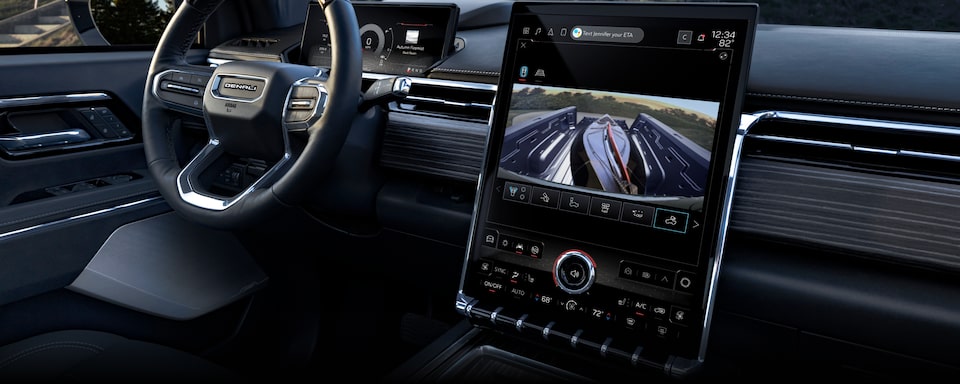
x=516, y=192
x=301, y=104
x=181, y=88
x=637, y=214
x=574, y=203
x=176, y=87
x=546, y=197
x=297, y=116
x=574, y=271
x=670, y=220
x=180, y=77
x=305, y=102
x=305, y=92
x=605, y=208
x=200, y=80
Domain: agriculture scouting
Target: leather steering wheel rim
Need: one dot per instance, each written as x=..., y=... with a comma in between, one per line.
x=298, y=170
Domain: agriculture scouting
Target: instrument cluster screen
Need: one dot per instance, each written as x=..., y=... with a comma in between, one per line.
x=397, y=39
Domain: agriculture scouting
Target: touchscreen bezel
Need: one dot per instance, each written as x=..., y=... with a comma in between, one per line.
x=725, y=151
x=313, y=30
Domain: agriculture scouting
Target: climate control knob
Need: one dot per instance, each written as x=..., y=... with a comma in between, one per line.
x=574, y=271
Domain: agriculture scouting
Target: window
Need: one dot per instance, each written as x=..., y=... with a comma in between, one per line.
x=59, y=23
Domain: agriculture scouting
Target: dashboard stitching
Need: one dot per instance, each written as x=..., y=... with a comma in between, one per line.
x=856, y=102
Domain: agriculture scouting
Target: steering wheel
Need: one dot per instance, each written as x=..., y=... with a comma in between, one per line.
x=292, y=119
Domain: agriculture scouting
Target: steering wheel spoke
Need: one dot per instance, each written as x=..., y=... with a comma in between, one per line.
x=216, y=180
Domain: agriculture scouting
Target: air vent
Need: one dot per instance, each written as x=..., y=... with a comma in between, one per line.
x=880, y=189
x=250, y=42
x=465, y=101
x=434, y=146
x=439, y=129
x=912, y=149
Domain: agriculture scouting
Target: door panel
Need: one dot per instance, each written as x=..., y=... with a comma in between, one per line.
x=58, y=207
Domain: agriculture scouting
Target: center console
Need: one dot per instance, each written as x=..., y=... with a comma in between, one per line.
x=603, y=202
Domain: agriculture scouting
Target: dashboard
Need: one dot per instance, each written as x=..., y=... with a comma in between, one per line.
x=841, y=252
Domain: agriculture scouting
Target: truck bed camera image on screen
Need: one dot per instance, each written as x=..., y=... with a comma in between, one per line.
x=615, y=142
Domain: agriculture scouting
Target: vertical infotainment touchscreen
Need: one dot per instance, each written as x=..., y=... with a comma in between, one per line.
x=602, y=203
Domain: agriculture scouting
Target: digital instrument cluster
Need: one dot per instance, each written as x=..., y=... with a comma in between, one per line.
x=397, y=39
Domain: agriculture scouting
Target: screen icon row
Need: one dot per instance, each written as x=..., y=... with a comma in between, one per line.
x=660, y=218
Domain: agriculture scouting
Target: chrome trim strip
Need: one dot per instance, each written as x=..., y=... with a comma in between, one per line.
x=842, y=120
x=860, y=122
x=52, y=99
x=77, y=217
x=438, y=82
x=416, y=80
x=927, y=155
x=447, y=102
x=793, y=140
x=464, y=303
x=591, y=271
x=65, y=135
x=747, y=121
x=876, y=150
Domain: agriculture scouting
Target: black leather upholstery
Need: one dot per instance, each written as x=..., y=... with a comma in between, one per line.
x=91, y=356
